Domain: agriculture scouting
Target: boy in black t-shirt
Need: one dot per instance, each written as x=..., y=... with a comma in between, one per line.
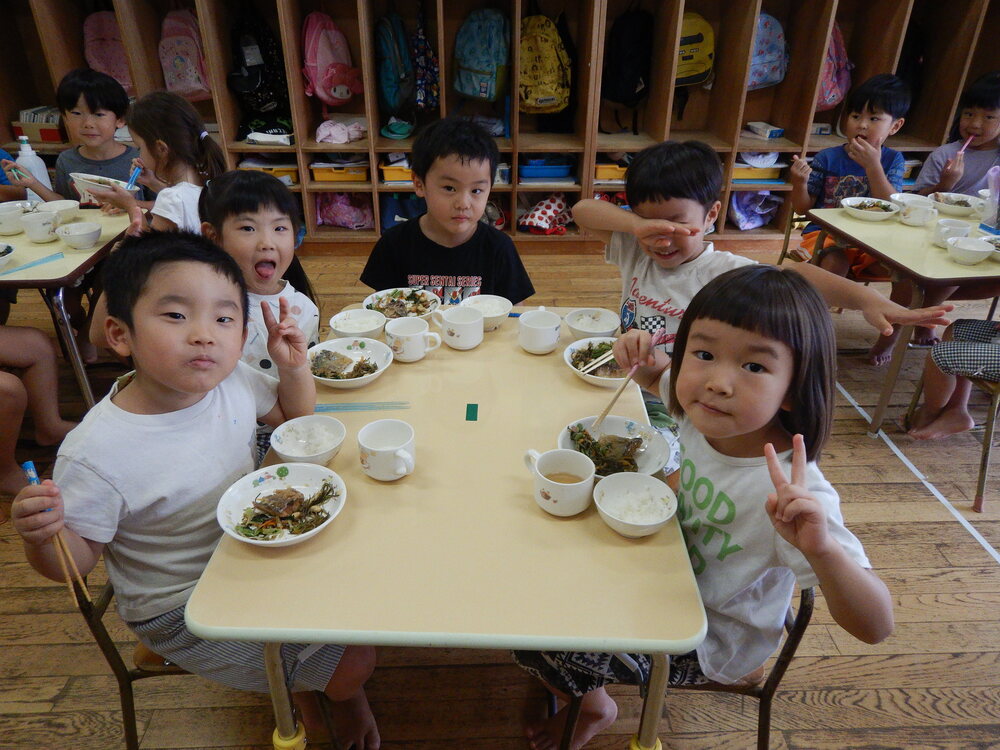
x=448, y=250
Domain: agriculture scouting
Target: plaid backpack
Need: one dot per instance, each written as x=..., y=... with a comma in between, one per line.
x=769, y=61
x=545, y=67
x=835, y=77
x=181, y=57
x=482, y=52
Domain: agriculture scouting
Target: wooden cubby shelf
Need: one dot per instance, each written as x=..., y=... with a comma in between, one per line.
x=957, y=39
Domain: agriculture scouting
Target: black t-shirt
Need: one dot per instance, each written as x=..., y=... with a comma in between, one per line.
x=487, y=263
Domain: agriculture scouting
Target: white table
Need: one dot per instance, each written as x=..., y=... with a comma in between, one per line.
x=51, y=268
x=458, y=554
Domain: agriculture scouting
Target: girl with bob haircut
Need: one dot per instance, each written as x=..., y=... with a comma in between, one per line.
x=751, y=385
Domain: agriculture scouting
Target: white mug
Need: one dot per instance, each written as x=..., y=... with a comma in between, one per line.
x=918, y=214
x=410, y=339
x=385, y=447
x=564, y=480
x=538, y=331
x=10, y=220
x=40, y=226
x=947, y=228
x=461, y=326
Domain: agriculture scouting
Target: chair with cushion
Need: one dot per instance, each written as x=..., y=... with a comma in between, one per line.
x=763, y=691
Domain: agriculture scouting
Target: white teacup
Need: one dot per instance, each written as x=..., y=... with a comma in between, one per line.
x=386, y=450
x=948, y=228
x=538, y=331
x=461, y=326
x=10, y=220
x=40, y=226
x=564, y=480
x=410, y=339
x=918, y=214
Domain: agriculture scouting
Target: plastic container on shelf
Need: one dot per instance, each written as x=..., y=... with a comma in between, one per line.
x=746, y=172
x=607, y=172
x=327, y=173
x=32, y=162
x=394, y=173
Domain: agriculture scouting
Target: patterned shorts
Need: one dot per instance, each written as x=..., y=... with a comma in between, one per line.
x=973, y=352
x=580, y=672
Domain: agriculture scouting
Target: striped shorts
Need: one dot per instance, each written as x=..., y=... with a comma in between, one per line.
x=973, y=352
x=236, y=664
x=579, y=672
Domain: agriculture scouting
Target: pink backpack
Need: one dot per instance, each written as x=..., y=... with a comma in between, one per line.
x=327, y=62
x=835, y=78
x=181, y=57
x=103, y=48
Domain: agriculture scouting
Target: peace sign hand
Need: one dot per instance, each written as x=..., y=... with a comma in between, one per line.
x=285, y=341
x=796, y=514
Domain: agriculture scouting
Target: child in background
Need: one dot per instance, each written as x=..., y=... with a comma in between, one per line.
x=30, y=352
x=255, y=219
x=9, y=192
x=752, y=385
x=448, y=250
x=177, y=157
x=861, y=167
x=949, y=171
x=138, y=481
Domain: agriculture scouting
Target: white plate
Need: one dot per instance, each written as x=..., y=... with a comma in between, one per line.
x=306, y=478
x=592, y=379
x=6, y=257
x=850, y=205
x=355, y=347
x=435, y=301
x=952, y=210
x=658, y=451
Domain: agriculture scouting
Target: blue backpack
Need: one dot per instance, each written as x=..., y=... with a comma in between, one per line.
x=395, y=68
x=769, y=61
x=482, y=52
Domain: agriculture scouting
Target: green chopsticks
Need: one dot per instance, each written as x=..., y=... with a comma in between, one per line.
x=364, y=406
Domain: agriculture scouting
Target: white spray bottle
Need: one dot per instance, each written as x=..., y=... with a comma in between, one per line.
x=33, y=163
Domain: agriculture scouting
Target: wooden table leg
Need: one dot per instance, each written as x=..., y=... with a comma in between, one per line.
x=652, y=706
x=895, y=364
x=288, y=735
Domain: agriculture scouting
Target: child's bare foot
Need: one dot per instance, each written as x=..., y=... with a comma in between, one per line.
x=597, y=712
x=12, y=479
x=948, y=422
x=54, y=434
x=354, y=723
x=881, y=352
x=921, y=418
x=925, y=336
x=310, y=713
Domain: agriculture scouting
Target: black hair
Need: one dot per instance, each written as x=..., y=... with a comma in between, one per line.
x=244, y=191
x=162, y=116
x=127, y=270
x=882, y=93
x=672, y=169
x=781, y=305
x=99, y=90
x=984, y=93
x=453, y=136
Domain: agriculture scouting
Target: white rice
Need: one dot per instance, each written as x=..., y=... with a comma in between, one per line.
x=354, y=323
x=306, y=439
x=591, y=322
x=636, y=506
x=488, y=307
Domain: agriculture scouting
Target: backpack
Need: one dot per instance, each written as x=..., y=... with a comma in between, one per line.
x=327, y=67
x=396, y=80
x=181, y=57
x=482, y=51
x=628, y=57
x=426, y=74
x=103, y=48
x=545, y=67
x=347, y=210
x=258, y=73
x=835, y=77
x=697, y=51
x=769, y=61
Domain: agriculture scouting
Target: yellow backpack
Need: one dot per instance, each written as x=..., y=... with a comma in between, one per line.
x=545, y=67
x=697, y=51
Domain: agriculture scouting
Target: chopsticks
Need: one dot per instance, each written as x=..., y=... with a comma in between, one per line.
x=364, y=406
x=966, y=144
x=66, y=561
x=607, y=409
x=133, y=177
x=604, y=359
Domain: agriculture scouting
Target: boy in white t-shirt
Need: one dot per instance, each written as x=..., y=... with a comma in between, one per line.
x=138, y=481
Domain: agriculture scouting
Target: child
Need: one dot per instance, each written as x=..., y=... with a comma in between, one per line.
x=752, y=384
x=92, y=106
x=255, y=219
x=141, y=476
x=861, y=167
x=448, y=250
x=30, y=352
x=177, y=157
x=971, y=349
x=9, y=192
x=948, y=170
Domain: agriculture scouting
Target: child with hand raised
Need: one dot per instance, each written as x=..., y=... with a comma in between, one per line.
x=752, y=386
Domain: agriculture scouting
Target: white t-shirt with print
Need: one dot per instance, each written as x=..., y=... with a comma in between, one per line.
x=302, y=308
x=147, y=485
x=179, y=204
x=746, y=572
x=653, y=297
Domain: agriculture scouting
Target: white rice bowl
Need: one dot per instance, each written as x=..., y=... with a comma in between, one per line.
x=634, y=505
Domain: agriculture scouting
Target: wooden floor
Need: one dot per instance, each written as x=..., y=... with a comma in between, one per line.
x=934, y=684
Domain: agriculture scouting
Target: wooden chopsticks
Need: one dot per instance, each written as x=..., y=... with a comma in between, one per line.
x=607, y=409
x=604, y=359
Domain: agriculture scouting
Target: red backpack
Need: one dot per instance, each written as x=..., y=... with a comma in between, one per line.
x=181, y=57
x=327, y=62
x=835, y=77
x=103, y=48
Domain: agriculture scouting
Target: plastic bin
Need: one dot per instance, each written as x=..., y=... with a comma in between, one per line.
x=278, y=170
x=609, y=172
x=746, y=172
x=339, y=174
x=393, y=173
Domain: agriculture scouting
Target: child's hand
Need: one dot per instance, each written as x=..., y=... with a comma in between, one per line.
x=653, y=233
x=797, y=516
x=115, y=196
x=285, y=341
x=951, y=173
x=634, y=347
x=882, y=314
x=147, y=178
x=22, y=178
x=800, y=170
x=37, y=512
x=864, y=153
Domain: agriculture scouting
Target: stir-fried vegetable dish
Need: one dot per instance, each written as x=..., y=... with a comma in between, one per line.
x=610, y=453
x=401, y=303
x=587, y=354
x=286, y=510
x=337, y=366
